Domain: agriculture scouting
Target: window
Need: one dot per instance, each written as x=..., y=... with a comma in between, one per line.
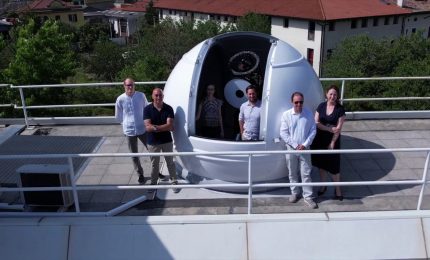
x=395, y=20
x=414, y=30
x=311, y=31
x=364, y=23
x=375, y=21
x=387, y=20
x=45, y=18
x=170, y=12
x=353, y=24
x=123, y=27
x=57, y=17
x=225, y=18
x=286, y=22
x=331, y=26
x=329, y=53
x=211, y=17
x=428, y=33
x=73, y=18
x=415, y=19
x=311, y=56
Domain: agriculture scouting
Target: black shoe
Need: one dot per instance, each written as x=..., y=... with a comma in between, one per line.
x=175, y=190
x=162, y=177
x=141, y=180
x=322, y=191
x=337, y=197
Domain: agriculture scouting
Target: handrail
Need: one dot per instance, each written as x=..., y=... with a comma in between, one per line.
x=75, y=188
x=5, y=105
x=96, y=84
x=24, y=107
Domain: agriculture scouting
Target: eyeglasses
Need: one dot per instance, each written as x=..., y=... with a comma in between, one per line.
x=298, y=102
x=158, y=95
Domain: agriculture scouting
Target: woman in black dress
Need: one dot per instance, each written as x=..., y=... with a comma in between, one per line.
x=329, y=118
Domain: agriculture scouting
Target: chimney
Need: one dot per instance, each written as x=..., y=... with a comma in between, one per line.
x=400, y=3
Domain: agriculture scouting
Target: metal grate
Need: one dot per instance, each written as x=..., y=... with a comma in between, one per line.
x=21, y=145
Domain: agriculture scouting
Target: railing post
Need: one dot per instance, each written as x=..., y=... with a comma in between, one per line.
x=72, y=179
x=424, y=181
x=342, y=91
x=249, y=185
x=24, y=108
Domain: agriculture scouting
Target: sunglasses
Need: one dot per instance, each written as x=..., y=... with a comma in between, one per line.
x=298, y=102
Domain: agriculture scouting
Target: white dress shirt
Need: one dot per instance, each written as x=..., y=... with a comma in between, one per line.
x=129, y=112
x=298, y=128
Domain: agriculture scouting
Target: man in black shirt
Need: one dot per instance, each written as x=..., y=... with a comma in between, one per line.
x=159, y=119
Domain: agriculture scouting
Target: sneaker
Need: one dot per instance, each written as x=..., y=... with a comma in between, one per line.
x=293, y=198
x=310, y=203
x=141, y=180
x=175, y=190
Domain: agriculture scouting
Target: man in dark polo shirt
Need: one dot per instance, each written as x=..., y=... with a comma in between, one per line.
x=158, y=118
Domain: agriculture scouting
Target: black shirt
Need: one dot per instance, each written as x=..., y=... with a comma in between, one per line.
x=158, y=118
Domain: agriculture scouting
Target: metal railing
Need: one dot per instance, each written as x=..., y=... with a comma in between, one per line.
x=24, y=107
x=353, y=114
x=249, y=185
x=6, y=105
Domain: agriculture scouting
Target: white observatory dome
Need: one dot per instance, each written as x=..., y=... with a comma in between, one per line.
x=272, y=65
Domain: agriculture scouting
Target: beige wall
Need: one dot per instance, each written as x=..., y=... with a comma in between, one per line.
x=64, y=17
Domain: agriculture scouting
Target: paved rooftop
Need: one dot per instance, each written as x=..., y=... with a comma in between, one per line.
x=363, y=134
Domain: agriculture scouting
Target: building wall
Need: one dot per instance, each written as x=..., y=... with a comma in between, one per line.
x=377, y=30
x=417, y=22
x=188, y=16
x=327, y=35
x=296, y=34
x=75, y=18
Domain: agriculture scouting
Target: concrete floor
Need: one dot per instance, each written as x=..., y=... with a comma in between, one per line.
x=363, y=134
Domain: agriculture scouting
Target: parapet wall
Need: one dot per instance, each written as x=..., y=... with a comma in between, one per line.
x=352, y=235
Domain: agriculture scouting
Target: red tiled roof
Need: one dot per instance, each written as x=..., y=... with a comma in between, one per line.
x=343, y=9
x=139, y=6
x=305, y=9
x=46, y=4
x=415, y=5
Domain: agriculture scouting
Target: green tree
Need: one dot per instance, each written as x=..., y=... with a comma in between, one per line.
x=163, y=45
x=42, y=56
x=91, y=33
x=361, y=56
x=151, y=14
x=254, y=22
x=106, y=61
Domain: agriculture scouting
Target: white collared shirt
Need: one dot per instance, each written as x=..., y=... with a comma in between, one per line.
x=129, y=112
x=250, y=116
x=298, y=128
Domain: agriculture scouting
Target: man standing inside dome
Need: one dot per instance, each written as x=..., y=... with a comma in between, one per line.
x=249, y=116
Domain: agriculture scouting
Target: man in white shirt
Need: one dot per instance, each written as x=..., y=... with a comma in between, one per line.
x=298, y=130
x=249, y=116
x=129, y=112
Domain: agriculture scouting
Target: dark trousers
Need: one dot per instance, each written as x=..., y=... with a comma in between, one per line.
x=133, y=147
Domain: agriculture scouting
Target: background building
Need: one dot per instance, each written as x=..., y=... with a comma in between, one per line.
x=314, y=27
